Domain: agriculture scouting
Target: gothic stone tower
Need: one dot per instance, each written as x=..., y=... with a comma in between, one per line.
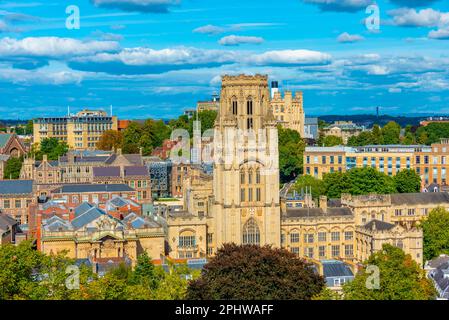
x=246, y=168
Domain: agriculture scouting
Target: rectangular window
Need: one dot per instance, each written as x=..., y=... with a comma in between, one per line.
x=349, y=250
x=335, y=251
x=322, y=251
x=321, y=236
x=349, y=235
x=335, y=236
x=186, y=241
x=294, y=237
x=6, y=204
x=18, y=204
x=242, y=194
x=258, y=196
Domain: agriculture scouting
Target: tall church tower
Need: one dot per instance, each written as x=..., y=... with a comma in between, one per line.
x=246, y=206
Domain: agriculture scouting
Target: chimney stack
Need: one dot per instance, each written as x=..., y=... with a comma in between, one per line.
x=323, y=203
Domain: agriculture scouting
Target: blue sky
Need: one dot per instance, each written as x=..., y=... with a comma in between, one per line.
x=154, y=58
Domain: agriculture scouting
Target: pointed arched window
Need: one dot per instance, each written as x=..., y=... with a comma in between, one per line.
x=251, y=233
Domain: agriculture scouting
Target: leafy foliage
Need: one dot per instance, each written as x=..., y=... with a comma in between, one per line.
x=291, y=149
x=330, y=141
x=400, y=278
x=52, y=147
x=436, y=233
x=358, y=181
x=432, y=133
x=30, y=274
x=110, y=140
x=310, y=183
x=12, y=168
x=250, y=272
x=407, y=181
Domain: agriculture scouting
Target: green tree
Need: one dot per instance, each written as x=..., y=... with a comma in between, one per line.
x=310, y=183
x=400, y=278
x=432, y=133
x=407, y=181
x=291, y=149
x=251, y=272
x=12, y=168
x=29, y=127
x=52, y=147
x=131, y=138
x=391, y=133
x=330, y=141
x=145, y=273
x=358, y=181
x=377, y=135
x=436, y=233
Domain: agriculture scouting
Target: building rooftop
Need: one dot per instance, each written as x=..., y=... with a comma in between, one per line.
x=336, y=268
x=420, y=198
x=317, y=212
x=378, y=225
x=82, y=188
x=4, y=138
x=6, y=222
x=16, y=187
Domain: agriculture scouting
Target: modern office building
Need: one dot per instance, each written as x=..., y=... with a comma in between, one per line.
x=430, y=162
x=80, y=131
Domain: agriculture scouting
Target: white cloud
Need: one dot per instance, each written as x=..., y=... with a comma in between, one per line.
x=349, y=38
x=409, y=17
x=55, y=75
x=440, y=34
x=234, y=40
x=53, y=47
x=156, y=6
x=178, y=56
x=341, y=5
x=290, y=57
x=209, y=29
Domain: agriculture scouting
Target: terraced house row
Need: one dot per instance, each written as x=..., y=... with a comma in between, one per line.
x=430, y=162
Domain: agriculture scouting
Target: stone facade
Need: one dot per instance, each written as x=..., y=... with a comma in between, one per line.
x=289, y=110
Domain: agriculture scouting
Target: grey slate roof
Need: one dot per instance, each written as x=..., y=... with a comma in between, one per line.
x=87, y=217
x=335, y=268
x=317, y=212
x=6, y=222
x=82, y=208
x=380, y=225
x=16, y=186
x=136, y=171
x=80, y=188
x=420, y=198
x=106, y=171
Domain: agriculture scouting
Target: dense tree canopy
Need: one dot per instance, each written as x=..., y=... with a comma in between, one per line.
x=251, y=272
x=329, y=141
x=407, y=181
x=391, y=132
x=436, y=233
x=12, y=168
x=29, y=274
x=310, y=184
x=358, y=181
x=291, y=149
x=432, y=133
x=110, y=140
x=52, y=147
x=399, y=278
